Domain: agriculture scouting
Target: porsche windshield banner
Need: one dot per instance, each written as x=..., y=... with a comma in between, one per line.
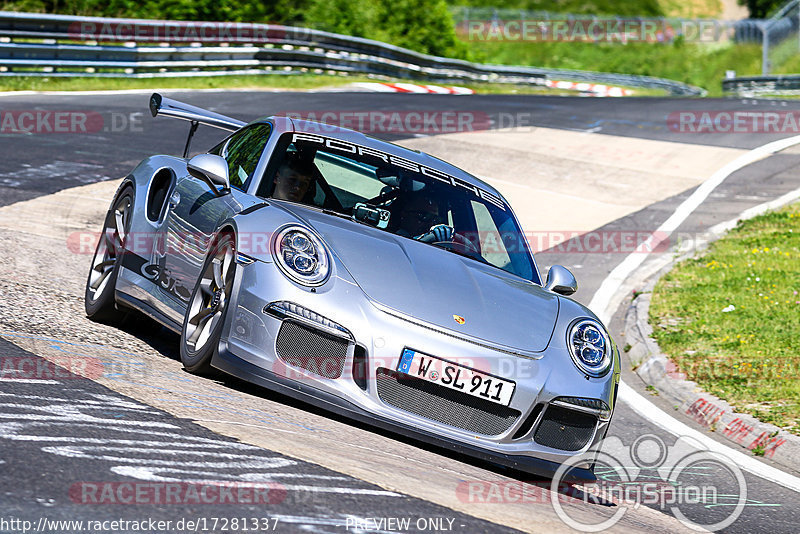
x=352, y=148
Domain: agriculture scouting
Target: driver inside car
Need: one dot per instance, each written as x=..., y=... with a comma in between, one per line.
x=293, y=180
x=418, y=217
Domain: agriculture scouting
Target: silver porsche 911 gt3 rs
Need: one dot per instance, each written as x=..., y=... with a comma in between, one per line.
x=359, y=276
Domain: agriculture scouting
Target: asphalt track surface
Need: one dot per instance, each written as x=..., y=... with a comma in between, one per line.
x=40, y=164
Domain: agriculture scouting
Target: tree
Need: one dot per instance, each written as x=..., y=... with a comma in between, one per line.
x=761, y=9
x=343, y=16
x=422, y=26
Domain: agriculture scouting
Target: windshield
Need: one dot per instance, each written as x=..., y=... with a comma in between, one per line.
x=398, y=196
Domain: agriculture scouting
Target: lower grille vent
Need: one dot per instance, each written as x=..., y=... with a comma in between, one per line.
x=564, y=429
x=309, y=349
x=443, y=405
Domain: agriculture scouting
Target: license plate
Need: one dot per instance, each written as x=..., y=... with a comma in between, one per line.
x=456, y=376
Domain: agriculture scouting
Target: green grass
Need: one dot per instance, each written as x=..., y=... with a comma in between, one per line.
x=749, y=356
x=272, y=81
x=702, y=65
x=267, y=81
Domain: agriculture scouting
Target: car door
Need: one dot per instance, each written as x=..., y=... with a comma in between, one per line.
x=196, y=211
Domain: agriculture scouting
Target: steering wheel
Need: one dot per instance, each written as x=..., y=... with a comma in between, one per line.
x=460, y=243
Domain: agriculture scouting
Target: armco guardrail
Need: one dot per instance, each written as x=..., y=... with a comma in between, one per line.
x=756, y=85
x=33, y=44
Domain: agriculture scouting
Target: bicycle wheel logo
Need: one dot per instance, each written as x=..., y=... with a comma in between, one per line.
x=705, y=490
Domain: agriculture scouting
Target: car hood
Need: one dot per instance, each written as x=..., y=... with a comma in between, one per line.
x=437, y=286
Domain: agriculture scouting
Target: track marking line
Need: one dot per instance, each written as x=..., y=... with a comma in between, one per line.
x=606, y=299
x=654, y=414
x=29, y=380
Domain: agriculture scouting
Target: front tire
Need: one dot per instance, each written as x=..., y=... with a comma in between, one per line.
x=205, y=315
x=99, y=300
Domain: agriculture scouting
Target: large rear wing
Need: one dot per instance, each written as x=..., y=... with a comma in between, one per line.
x=168, y=107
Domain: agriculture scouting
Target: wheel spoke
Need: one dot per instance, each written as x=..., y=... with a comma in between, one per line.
x=192, y=339
x=204, y=331
x=108, y=235
x=97, y=284
x=103, y=265
x=227, y=267
x=217, y=267
x=120, y=225
x=205, y=287
x=202, y=314
x=208, y=328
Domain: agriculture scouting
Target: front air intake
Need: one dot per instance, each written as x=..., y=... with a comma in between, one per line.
x=312, y=350
x=565, y=429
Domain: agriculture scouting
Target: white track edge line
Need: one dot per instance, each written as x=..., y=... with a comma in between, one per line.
x=604, y=295
x=654, y=414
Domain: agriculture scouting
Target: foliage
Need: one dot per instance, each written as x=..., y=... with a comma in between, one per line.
x=278, y=11
x=695, y=64
x=344, y=16
x=761, y=9
x=421, y=26
x=584, y=7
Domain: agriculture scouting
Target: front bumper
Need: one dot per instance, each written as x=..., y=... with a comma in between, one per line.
x=377, y=339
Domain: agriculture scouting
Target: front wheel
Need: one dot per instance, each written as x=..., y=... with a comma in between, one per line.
x=202, y=325
x=99, y=300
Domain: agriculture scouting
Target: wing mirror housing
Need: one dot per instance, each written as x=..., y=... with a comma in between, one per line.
x=211, y=169
x=560, y=280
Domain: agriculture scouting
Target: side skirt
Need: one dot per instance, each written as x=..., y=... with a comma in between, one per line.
x=128, y=301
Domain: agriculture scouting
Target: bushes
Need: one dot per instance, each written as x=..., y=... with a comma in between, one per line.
x=280, y=11
x=422, y=26
x=644, y=8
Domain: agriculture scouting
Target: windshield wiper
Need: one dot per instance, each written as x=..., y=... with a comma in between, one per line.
x=329, y=211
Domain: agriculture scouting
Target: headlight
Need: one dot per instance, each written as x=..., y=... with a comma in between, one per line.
x=590, y=347
x=301, y=256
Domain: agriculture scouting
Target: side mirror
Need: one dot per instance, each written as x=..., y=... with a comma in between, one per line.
x=561, y=281
x=212, y=169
